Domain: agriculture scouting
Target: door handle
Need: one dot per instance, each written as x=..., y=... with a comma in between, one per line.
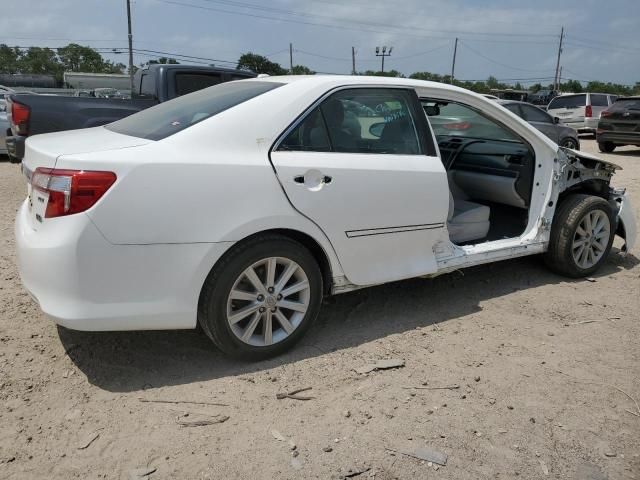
x=313, y=179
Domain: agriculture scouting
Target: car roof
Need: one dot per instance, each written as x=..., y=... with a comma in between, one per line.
x=333, y=80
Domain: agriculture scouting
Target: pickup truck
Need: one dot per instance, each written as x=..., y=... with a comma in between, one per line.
x=34, y=114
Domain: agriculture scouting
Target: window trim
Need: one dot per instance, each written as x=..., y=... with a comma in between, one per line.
x=422, y=126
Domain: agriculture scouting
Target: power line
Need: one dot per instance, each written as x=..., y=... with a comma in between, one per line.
x=253, y=6
x=495, y=61
x=329, y=25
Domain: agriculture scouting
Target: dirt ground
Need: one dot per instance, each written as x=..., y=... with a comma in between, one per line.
x=546, y=370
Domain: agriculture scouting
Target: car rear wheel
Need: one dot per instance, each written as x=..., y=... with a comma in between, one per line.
x=581, y=235
x=570, y=143
x=606, y=147
x=261, y=297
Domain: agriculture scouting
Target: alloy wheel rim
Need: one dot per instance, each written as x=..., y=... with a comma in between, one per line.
x=591, y=238
x=268, y=301
x=570, y=143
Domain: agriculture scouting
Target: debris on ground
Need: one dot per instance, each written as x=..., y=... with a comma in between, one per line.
x=141, y=473
x=446, y=387
x=423, y=453
x=92, y=437
x=380, y=365
x=146, y=400
x=201, y=422
x=278, y=436
x=355, y=473
x=294, y=394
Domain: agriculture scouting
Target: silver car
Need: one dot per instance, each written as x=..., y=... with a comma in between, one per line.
x=549, y=125
x=580, y=110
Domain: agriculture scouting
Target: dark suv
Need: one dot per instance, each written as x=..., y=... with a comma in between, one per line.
x=619, y=124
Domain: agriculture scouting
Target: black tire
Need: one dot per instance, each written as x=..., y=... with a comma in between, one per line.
x=212, y=306
x=570, y=212
x=606, y=147
x=14, y=159
x=570, y=143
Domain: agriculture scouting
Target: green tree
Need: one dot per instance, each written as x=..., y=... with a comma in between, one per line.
x=302, y=70
x=9, y=59
x=42, y=61
x=535, y=88
x=77, y=58
x=164, y=61
x=259, y=64
x=378, y=73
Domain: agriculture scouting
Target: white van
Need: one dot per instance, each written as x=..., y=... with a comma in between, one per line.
x=580, y=110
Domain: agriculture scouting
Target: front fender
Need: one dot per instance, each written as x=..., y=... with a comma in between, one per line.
x=627, y=227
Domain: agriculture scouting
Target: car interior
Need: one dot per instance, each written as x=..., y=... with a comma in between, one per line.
x=490, y=171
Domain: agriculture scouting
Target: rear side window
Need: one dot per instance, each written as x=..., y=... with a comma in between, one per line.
x=568, y=101
x=599, y=100
x=625, y=104
x=361, y=120
x=148, y=85
x=514, y=108
x=192, y=82
x=167, y=118
x=533, y=114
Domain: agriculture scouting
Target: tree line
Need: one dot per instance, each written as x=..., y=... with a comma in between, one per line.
x=78, y=58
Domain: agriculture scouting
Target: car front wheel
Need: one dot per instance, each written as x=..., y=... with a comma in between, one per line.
x=571, y=143
x=261, y=297
x=581, y=235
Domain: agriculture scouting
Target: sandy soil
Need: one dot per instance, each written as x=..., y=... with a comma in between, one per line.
x=540, y=390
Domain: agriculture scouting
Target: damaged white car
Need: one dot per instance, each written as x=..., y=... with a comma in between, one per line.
x=240, y=206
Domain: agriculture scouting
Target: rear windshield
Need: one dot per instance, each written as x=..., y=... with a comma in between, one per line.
x=568, y=101
x=625, y=104
x=163, y=120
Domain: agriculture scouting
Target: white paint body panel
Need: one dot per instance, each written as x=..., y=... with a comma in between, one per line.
x=383, y=213
x=139, y=257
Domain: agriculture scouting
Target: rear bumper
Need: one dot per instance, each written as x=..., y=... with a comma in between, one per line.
x=591, y=123
x=622, y=138
x=15, y=146
x=83, y=282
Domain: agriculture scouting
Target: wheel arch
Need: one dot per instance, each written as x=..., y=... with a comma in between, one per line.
x=326, y=263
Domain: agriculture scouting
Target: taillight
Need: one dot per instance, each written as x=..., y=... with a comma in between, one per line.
x=605, y=114
x=71, y=191
x=19, y=115
x=457, y=126
x=588, y=112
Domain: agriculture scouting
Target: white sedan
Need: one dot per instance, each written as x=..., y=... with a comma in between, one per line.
x=240, y=206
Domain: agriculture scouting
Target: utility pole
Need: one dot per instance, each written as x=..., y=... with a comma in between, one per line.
x=383, y=54
x=556, y=85
x=353, y=60
x=291, y=58
x=453, y=65
x=130, y=45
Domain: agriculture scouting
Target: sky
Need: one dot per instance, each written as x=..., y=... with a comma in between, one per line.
x=507, y=39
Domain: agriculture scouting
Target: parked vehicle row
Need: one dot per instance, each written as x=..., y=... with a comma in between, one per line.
x=238, y=207
x=35, y=114
x=620, y=124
